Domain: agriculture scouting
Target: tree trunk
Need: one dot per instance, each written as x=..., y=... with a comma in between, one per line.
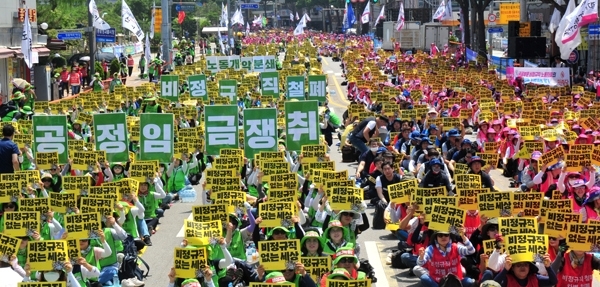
x=464, y=6
x=481, y=43
x=473, y=23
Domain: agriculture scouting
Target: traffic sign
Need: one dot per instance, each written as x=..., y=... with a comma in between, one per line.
x=573, y=57
x=492, y=17
x=106, y=36
x=185, y=7
x=495, y=30
x=69, y=35
x=252, y=6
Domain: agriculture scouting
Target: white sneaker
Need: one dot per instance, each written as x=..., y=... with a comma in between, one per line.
x=127, y=283
x=136, y=282
x=388, y=260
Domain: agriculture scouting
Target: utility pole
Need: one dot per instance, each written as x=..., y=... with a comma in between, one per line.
x=165, y=31
x=229, y=30
x=523, y=17
x=92, y=42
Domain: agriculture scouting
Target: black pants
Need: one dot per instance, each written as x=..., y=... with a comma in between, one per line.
x=151, y=223
x=63, y=88
x=142, y=69
x=130, y=69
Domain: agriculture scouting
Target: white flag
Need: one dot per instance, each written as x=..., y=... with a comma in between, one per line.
x=345, y=20
x=381, y=15
x=221, y=42
x=153, y=21
x=224, y=17
x=297, y=18
x=306, y=17
x=257, y=20
x=300, y=27
x=247, y=28
x=237, y=18
x=585, y=13
x=291, y=16
x=98, y=22
x=448, y=11
x=147, y=54
x=365, y=15
x=440, y=12
x=26, y=41
x=130, y=23
x=400, y=21
x=562, y=26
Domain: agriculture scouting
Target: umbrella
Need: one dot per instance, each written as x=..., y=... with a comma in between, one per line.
x=20, y=83
x=85, y=58
x=100, y=56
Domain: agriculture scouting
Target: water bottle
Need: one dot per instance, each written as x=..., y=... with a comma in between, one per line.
x=116, y=282
x=251, y=254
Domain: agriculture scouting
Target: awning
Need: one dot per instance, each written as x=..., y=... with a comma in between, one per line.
x=214, y=30
x=6, y=53
x=42, y=52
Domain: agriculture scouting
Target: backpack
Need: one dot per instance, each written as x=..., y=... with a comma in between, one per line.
x=366, y=267
x=397, y=259
x=450, y=280
x=129, y=267
x=5, y=109
x=349, y=154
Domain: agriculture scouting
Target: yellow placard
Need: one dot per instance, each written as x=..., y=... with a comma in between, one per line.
x=557, y=223
x=345, y=198
x=461, y=168
x=84, y=160
x=21, y=223
x=42, y=284
x=430, y=201
x=229, y=162
x=467, y=198
x=422, y=192
x=446, y=217
x=211, y=212
x=467, y=181
x=525, y=247
x=316, y=266
x=489, y=246
x=73, y=250
x=400, y=192
x=575, y=162
x=44, y=255
x=202, y=233
x=495, y=204
x=9, y=191
x=259, y=284
x=39, y=204
x=282, y=195
x=287, y=180
x=103, y=206
x=517, y=225
x=313, y=153
x=527, y=203
x=189, y=262
x=583, y=236
x=107, y=192
x=346, y=283
x=552, y=156
x=279, y=254
x=276, y=214
x=562, y=205
x=83, y=225
x=326, y=165
x=45, y=160
x=63, y=202
x=9, y=245
x=143, y=170
x=77, y=184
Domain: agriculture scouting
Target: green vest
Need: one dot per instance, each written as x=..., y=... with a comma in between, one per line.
x=117, y=177
x=152, y=109
x=26, y=164
x=237, y=248
x=112, y=259
x=9, y=116
x=91, y=259
x=97, y=87
x=149, y=203
x=296, y=280
x=177, y=180
x=45, y=234
x=130, y=224
x=361, y=275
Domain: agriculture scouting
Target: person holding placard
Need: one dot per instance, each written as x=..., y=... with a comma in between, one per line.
x=525, y=273
x=62, y=273
x=591, y=206
x=355, y=221
x=150, y=195
x=436, y=177
x=529, y=173
x=573, y=186
x=547, y=177
x=88, y=264
x=312, y=244
x=475, y=168
x=443, y=257
x=487, y=229
x=345, y=258
x=334, y=237
x=575, y=268
x=119, y=171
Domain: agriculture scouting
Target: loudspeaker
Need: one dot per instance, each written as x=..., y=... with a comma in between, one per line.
x=536, y=28
x=527, y=47
x=513, y=29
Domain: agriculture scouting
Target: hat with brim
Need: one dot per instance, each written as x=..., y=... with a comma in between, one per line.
x=312, y=234
x=536, y=155
x=355, y=215
x=344, y=252
x=532, y=268
x=594, y=195
x=150, y=99
x=340, y=272
x=577, y=182
x=190, y=283
x=46, y=175
x=476, y=159
x=490, y=283
x=335, y=224
x=275, y=278
x=270, y=232
x=490, y=223
x=27, y=110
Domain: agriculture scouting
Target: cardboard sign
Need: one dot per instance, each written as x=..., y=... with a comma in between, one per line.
x=47, y=254
x=189, y=262
x=517, y=225
x=467, y=198
x=583, y=237
x=557, y=223
x=495, y=204
x=83, y=225
x=526, y=247
x=317, y=266
x=279, y=254
x=202, y=233
x=276, y=214
x=9, y=245
x=21, y=223
x=211, y=212
x=446, y=218
x=401, y=192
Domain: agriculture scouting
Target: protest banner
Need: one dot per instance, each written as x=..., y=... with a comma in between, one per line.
x=430, y=201
x=229, y=152
x=9, y=191
x=279, y=254
x=190, y=262
x=467, y=181
x=517, y=225
x=313, y=153
x=197, y=85
x=283, y=181
x=202, y=233
x=276, y=214
x=269, y=82
x=583, y=237
x=50, y=134
x=228, y=89
x=302, y=124
x=317, y=88
x=527, y=203
x=400, y=192
x=346, y=283
x=295, y=87
x=260, y=131
x=575, y=162
x=221, y=128
x=495, y=204
x=21, y=223
x=422, y=192
x=345, y=198
x=525, y=247
x=169, y=87
x=467, y=198
x=157, y=133
x=9, y=245
x=211, y=212
x=552, y=156
x=77, y=184
x=446, y=218
x=110, y=135
x=45, y=160
x=316, y=266
x=64, y=202
x=83, y=225
x=47, y=255
x=73, y=250
x=143, y=170
x=560, y=205
x=39, y=204
x=490, y=245
x=103, y=206
x=557, y=223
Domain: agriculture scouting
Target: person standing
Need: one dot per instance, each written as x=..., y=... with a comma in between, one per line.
x=9, y=151
x=130, y=64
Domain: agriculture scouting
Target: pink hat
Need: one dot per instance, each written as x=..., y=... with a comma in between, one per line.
x=491, y=131
x=536, y=155
x=582, y=136
x=576, y=182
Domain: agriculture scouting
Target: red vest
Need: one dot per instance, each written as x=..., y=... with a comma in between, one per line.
x=440, y=266
x=535, y=187
x=532, y=281
x=576, y=207
x=582, y=276
x=75, y=79
x=591, y=213
x=546, y=184
x=417, y=246
x=471, y=223
x=64, y=75
x=552, y=253
x=130, y=62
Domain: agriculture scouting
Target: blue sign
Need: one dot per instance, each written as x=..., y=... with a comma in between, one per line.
x=495, y=30
x=106, y=36
x=501, y=64
x=253, y=6
x=594, y=29
x=185, y=7
x=73, y=35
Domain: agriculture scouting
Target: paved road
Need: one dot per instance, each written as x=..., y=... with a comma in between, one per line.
x=375, y=244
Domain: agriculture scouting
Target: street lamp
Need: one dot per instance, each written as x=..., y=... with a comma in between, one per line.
x=44, y=26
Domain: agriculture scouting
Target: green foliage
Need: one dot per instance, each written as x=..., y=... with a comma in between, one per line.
x=115, y=67
x=210, y=11
x=188, y=25
x=63, y=17
x=99, y=70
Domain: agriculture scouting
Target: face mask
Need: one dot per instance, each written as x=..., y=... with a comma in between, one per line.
x=51, y=276
x=374, y=149
x=162, y=169
x=436, y=169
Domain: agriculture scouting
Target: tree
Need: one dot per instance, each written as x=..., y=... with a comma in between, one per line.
x=187, y=28
x=210, y=11
x=464, y=7
x=479, y=7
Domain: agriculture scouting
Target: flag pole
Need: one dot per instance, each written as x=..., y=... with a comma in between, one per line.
x=92, y=42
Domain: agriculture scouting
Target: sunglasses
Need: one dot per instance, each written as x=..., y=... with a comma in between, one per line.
x=53, y=169
x=346, y=260
x=443, y=235
x=346, y=214
x=10, y=206
x=552, y=238
x=278, y=232
x=46, y=180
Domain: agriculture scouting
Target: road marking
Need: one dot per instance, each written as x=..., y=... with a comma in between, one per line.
x=341, y=94
x=373, y=254
x=329, y=72
x=324, y=61
x=338, y=74
x=180, y=234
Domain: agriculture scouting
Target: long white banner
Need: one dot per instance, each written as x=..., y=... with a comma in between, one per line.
x=541, y=76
